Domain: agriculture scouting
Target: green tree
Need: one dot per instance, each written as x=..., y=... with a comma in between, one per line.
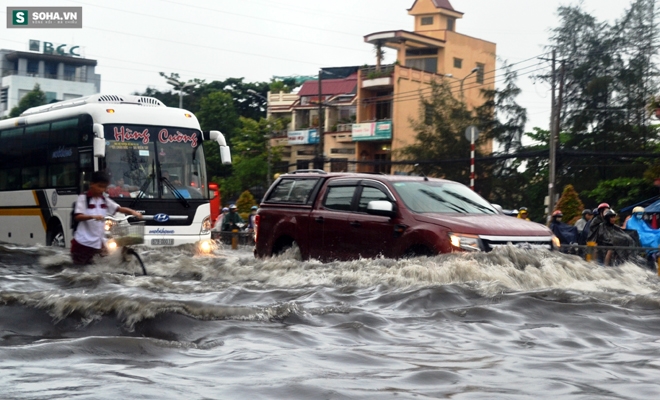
x=244, y=204
x=609, y=76
x=502, y=120
x=440, y=135
x=570, y=205
x=246, y=104
x=33, y=98
x=250, y=158
x=622, y=192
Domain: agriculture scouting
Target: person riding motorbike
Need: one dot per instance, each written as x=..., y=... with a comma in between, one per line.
x=232, y=220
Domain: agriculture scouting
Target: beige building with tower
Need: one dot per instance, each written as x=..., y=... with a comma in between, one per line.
x=387, y=97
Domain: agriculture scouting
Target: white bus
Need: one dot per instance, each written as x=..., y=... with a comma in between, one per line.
x=48, y=154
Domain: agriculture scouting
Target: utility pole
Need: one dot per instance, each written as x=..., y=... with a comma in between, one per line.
x=552, y=144
x=319, y=151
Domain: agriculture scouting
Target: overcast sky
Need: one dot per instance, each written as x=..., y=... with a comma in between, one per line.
x=257, y=39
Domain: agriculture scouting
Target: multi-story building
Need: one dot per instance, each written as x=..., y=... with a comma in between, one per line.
x=59, y=70
x=367, y=110
x=389, y=96
x=300, y=146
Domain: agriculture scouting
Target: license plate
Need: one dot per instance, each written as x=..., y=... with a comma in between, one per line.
x=162, y=242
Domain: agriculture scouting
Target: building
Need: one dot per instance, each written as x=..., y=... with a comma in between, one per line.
x=59, y=70
x=389, y=96
x=300, y=145
x=367, y=110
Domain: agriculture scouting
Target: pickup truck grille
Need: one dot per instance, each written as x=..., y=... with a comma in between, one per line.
x=540, y=242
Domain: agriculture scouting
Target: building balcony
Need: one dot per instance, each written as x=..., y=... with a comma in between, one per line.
x=376, y=78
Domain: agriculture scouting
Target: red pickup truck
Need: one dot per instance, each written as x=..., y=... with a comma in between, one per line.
x=343, y=216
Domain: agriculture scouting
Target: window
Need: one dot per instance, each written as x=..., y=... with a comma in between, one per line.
x=427, y=21
x=421, y=52
x=480, y=73
x=51, y=97
x=451, y=23
x=35, y=146
x=370, y=194
x=33, y=67
x=44, y=155
x=458, y=63
x=10, y=151
x=50, y=68
x=339, y=198
x=69, y=72
x=295, y=191
x=425, y=64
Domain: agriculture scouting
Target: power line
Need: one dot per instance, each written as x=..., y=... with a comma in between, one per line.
x=197, y=24
x=252, y=17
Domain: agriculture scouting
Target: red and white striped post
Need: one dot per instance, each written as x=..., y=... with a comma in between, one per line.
x=471, y=134
x=472, y=163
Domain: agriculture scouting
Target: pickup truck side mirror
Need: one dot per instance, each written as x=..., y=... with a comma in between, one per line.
x=381, y=207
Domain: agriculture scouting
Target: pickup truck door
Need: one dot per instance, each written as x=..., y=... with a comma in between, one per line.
x=328, y=224
x=371, y=235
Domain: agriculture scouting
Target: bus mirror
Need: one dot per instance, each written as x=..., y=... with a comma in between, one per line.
x=225, y=155
x=218, y=137
x=98, y=131
x=99, y=147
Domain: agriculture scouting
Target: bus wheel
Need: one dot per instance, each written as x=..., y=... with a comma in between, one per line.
x=56, y=237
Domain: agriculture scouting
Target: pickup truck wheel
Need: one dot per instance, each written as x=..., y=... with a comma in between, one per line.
x=287, y=245
x=417, y=251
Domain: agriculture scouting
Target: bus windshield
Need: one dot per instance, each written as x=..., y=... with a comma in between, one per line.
x=155, y=162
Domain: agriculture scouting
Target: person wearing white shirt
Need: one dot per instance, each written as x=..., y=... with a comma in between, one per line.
x=90, y=211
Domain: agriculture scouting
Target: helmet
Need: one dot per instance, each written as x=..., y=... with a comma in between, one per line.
x=585, y=212
x=224, y=209
x=609, y=213
x=232, y=206
x=557, y=213
x=638, y=209
x=594, y=211
x=603, y=205
x=523, y=209
x=254, y=208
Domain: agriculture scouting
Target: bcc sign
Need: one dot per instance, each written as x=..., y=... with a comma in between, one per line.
x=52, y=48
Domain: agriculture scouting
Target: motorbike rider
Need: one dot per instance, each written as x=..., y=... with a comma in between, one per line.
x=232, y=219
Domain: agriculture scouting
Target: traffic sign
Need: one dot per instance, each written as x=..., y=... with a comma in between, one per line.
x=471, y=130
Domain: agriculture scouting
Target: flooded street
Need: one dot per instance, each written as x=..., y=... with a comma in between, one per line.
x=514, y=324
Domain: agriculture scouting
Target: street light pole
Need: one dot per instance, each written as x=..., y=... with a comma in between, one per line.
x=475, y=69
x=180, y=86
x=319, y=149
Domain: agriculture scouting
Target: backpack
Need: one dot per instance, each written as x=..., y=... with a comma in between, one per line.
x=74, y=223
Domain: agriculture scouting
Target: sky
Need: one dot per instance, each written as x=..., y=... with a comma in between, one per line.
x=134, y=40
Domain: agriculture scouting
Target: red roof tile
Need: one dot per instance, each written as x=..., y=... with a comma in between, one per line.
x=443, y=4
x=438, y=4
x=329, y=86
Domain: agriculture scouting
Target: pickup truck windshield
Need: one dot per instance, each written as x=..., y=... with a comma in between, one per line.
x=441, y=197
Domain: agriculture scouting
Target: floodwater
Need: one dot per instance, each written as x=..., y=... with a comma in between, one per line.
x=512, y=324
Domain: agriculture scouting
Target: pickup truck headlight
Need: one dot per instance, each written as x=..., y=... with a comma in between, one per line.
x=556, y=244
x=206, y=226
x=465, y=242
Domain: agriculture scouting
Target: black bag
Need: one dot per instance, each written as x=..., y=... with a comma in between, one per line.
x=74, y=223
